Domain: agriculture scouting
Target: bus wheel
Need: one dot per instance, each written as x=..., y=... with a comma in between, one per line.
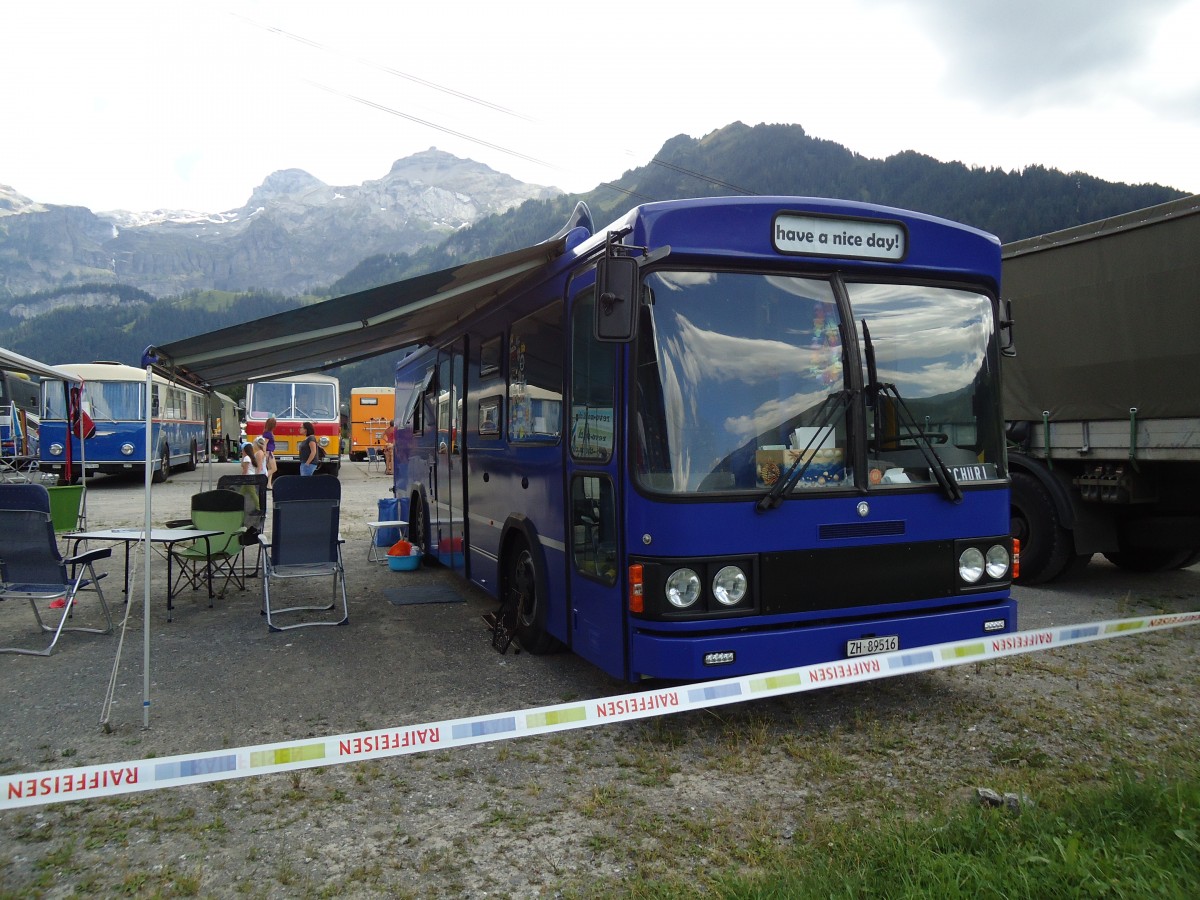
x=193, y=458
x=418, y=523
x=1046, y=547
x=522, y=596
x=164, y=468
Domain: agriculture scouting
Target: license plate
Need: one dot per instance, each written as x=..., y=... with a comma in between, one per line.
x=867, y=646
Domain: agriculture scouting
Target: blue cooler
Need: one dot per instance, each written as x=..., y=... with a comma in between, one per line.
x=388, y=512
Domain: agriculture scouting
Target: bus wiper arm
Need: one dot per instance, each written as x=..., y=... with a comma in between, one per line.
x=876, y=388
x=941, y=472
x=825, y=413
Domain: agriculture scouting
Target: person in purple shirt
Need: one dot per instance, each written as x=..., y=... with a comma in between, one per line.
x=269, y=434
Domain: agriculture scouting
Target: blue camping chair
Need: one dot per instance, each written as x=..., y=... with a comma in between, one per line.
x=374, y=458
x=31, y=567
x=304, y=543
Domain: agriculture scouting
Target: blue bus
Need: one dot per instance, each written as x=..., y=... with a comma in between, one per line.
x=724, y=436
x=113, y=400
x=19, y=405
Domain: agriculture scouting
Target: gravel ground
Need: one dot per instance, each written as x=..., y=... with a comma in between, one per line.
x=577, y=813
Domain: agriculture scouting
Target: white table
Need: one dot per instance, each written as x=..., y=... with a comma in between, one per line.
x=373, y=554
x=169, y=537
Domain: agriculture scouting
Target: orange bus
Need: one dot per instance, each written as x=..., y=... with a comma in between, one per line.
x=371, y=411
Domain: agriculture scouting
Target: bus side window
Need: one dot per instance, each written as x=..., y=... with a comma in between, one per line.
x=593, y=531
x=593, y=386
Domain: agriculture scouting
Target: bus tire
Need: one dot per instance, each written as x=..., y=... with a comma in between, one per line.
x=418, y=522
x=163, y=473
x=521, y=593
x=193, y=458
x=1046, y=547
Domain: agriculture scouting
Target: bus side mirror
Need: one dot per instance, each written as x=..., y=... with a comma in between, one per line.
x=1008, y=342
x=618, y=284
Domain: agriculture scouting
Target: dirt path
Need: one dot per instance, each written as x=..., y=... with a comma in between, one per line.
x=574, y=812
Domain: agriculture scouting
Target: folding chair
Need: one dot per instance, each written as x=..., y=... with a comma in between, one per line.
x=374, y=458
x=218, y=510
x=304, y=542
x=31, y=567
x=253, y=489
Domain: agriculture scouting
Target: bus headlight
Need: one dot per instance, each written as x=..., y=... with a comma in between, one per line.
x=997, y=561
x=56, y=449
x=127, y=449
x=970, y=565
x=323, y=441
x=683, y=588
x=729, y=586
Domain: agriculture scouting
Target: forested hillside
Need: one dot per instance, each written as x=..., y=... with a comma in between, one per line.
x=766, y=159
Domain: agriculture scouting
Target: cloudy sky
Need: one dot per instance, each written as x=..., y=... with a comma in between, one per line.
x=190, y=104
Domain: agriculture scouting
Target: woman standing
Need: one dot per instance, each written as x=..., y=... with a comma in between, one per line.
x=260, y=457
x=310, y=456
x=269, y=454
x=249, y=466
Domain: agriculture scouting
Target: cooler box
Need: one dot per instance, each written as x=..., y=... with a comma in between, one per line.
x=388, y=512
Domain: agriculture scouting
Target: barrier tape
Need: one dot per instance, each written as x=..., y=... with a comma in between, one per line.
x=87, y=782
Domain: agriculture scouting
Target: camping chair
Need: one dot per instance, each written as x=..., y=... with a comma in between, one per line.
x=66, y=502
x=304, y=542
x=374, y=458
x=31, y=567
x=218, y=510
x=253, y=489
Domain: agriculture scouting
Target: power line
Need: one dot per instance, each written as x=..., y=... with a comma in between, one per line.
x=428, y=124
x=308, y=42
x=733, y=187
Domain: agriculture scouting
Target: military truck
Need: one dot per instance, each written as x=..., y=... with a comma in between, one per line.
x=1102, y=396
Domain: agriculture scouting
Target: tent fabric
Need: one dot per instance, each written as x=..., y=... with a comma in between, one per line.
x=1106, y=318
x=349, y=328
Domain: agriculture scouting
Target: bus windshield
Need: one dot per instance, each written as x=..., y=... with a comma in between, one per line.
x=294, y=400
x=114, y=400
x=741, y=382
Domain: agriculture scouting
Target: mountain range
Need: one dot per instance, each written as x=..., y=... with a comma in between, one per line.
x=74, y=280
x=294, y=234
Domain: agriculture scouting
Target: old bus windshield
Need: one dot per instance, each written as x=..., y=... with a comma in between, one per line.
x=294, y=400
x=740, y=376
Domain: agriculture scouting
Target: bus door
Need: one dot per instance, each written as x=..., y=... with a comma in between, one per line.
x=593, y=495
x=447, y=515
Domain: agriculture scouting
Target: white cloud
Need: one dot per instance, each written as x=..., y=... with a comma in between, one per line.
x=143, y=104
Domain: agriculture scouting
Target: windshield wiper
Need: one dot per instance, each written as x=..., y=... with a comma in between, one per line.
x=825, y=413
x=941, y=472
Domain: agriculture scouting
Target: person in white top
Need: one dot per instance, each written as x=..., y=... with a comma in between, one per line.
x=247, y=458
x=260, y=455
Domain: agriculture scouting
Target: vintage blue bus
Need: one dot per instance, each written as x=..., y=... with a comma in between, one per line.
x=19, y=407
x=113, y=397
x=724, y=436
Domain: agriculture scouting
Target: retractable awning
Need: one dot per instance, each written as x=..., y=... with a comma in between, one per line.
x=349, y=328
x=15, y=362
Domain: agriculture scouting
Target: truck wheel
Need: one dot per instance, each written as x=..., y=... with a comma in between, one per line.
x=1046, y=547
x=1148, y=559
x=1191, y=559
